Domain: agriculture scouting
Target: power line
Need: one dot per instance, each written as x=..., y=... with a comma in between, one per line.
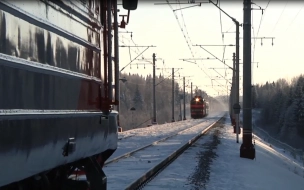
x=184, y=35
x=180, y=27
x=294, y=18
x=230, y=26
x=185, y=24
x=253, y=53
x=187, y=41
x=267, y=4
x=128, y=45
x=138, y=53
x=262, y=18
x=279, y=17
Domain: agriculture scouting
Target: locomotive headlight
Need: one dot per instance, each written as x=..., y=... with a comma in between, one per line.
x=196, y=99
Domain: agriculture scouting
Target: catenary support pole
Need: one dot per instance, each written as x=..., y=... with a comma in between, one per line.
x=237, y=75
x=173, y=120
x=236, y=115
x=154, y=98
x=184, y=99
x=234, y=91
x=247, y=149
x=191, y=92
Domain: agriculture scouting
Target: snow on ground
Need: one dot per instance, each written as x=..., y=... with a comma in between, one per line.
x=133, y=139
x=270, y=170
x=135, y=165
x=189, y=170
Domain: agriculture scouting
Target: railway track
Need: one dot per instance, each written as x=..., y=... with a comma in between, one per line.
x=134, y=169
x=128, y=154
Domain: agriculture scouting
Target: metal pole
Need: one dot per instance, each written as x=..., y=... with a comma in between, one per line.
x=191, y=91
x=228, y=100
x=116, y=60
x=173, y=120
x=110, y=75
x=184, y=100
x=180, y=109
x=154, y=99
x=233, y=93
x=237, y=88
x=247, y=149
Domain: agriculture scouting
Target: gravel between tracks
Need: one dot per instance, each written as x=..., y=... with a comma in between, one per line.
x=201, y=174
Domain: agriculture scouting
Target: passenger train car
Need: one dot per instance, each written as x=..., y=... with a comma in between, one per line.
x=199, y=107
x=56, y=71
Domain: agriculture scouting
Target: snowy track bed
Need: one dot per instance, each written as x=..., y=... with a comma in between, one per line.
x=212, y=162
x=134, y=169
x=191, y=170
x=133, y=139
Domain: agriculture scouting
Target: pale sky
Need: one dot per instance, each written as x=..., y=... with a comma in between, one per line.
x=160, y=26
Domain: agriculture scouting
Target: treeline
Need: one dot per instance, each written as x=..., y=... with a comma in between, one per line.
x=282, y=105
x=136, y=103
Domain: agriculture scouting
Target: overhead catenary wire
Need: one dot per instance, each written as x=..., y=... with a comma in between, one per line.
x=131, y=49
x=294, y=18
x=137, y=50
x=180, y=27
x=261, y=19
x=124, y=43
x=279, y=18
x=184, y=24
x=191, y=43
x=184, y=35
x=223, y=41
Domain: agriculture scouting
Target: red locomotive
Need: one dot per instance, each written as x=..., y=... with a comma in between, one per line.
x=199, y=107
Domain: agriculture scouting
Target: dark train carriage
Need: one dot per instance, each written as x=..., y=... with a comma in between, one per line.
x=56, y=91
x=199, y=107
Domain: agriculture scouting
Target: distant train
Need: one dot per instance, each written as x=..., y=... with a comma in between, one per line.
x=199, y=107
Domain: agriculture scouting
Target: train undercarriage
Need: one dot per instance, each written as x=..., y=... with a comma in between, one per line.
x=60, y=178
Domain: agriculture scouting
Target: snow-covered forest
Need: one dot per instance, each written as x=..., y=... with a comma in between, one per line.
x=137, y=92
x=282, y=109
